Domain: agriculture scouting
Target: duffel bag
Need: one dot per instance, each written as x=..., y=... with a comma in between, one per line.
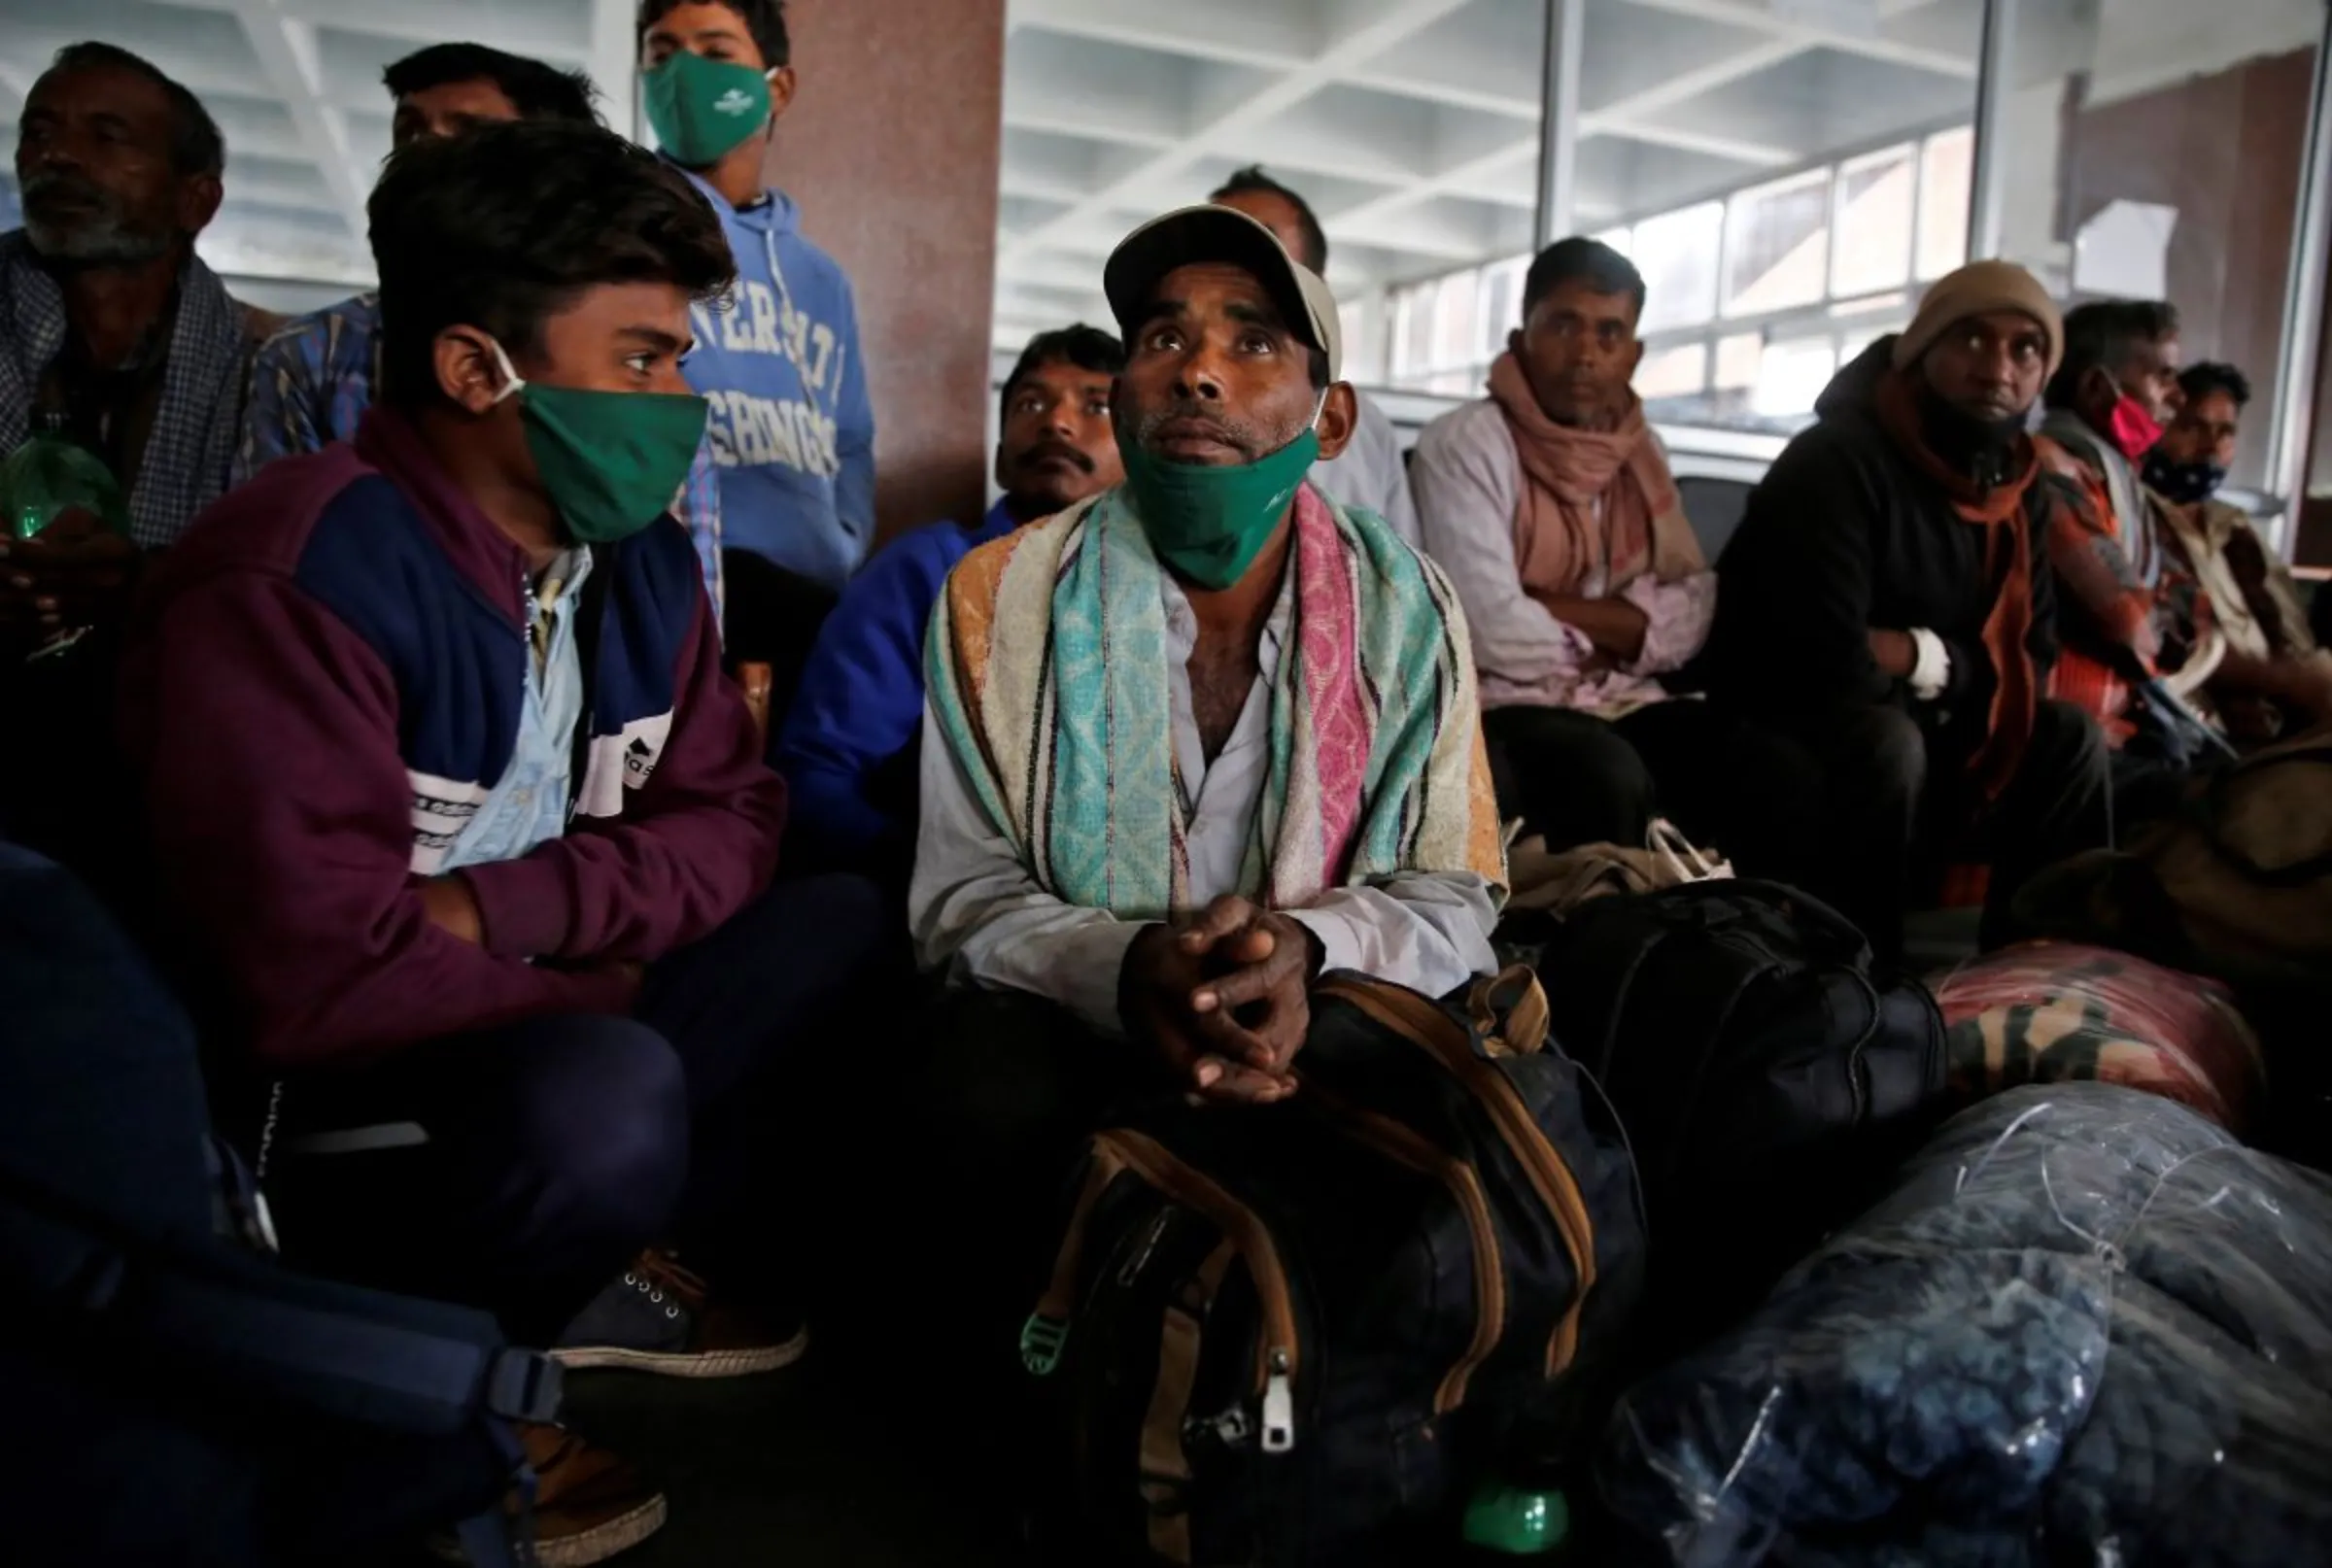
x=1297, y=1334
x=1766, y=1077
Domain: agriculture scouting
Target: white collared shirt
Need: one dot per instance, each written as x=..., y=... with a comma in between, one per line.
x=975, y=910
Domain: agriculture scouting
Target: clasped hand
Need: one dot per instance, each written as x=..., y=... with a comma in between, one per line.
x=1224, y=997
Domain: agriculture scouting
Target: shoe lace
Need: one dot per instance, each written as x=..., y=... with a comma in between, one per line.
x=659, y=1273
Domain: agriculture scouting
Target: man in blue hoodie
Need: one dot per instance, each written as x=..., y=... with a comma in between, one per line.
x=848, y=749
x=791, y=425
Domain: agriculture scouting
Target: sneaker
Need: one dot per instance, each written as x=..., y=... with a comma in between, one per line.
x=589, y=1503
x=660, y=1317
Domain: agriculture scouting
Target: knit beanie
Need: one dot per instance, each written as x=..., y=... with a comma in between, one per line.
x=1975, y=289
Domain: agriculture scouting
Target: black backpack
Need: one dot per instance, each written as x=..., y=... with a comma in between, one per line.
x=1767, y=1078
x=1300, y=1334
x=180, y=1396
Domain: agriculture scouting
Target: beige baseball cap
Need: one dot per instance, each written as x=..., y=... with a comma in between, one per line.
x=1190, y=235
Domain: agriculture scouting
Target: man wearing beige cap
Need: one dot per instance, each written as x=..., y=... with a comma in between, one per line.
x=1190, y=743
x=1888, y=606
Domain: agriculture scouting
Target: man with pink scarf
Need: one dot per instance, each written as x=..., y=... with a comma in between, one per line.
x=1550, y=506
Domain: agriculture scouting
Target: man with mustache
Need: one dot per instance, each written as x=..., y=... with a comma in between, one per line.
x=1888, y=607
x=1550, y=506
x=1186, y=746
x=122, y=356
x=113, y=335
x=848, y=747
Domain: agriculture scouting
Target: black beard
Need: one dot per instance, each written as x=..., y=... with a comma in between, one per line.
x=1981, y=449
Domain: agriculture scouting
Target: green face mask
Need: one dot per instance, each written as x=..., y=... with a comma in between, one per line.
x=699, y=109
x=611, y=460
x=1210, y=523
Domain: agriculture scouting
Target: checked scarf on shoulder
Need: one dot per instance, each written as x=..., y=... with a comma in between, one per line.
x=1047, y=669
x=192, y=443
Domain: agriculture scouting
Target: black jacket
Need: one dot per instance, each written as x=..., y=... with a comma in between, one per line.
x=1845, y=534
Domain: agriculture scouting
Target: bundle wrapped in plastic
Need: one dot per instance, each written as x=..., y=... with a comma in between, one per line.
x=2051, y=1012
x=2087, y=1327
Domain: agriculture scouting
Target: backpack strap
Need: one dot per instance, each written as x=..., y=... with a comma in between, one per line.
x=387, y=1361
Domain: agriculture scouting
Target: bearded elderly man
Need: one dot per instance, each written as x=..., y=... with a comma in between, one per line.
x=1192, y=742
x=113, y=335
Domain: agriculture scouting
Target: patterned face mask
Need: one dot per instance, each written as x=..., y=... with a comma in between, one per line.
x=2184, y=483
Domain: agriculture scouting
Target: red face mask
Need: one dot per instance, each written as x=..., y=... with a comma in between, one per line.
x=2134, y=429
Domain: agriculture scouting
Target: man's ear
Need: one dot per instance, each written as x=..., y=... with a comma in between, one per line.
x=467, y=371
x=1514, y=343
x=198, y=198
x=996, y=467
x=1338, y=418
x=1636, y=359
x=781, y=92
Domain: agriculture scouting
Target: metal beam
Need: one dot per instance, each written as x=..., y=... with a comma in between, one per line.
x=286, y=50
x=615, y=65
x=1988, y=176
x=2291, y=422
x=1566, y=45
x=1870, y=47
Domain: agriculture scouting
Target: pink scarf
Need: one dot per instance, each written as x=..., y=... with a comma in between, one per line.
x=1560, y=541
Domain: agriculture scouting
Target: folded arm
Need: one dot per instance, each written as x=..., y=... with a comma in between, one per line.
x=283, y=820
x=1465, y=493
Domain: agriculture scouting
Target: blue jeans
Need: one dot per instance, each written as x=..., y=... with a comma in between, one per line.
x=517, y=1168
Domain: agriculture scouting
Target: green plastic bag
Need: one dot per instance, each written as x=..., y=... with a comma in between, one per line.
x=49, y=474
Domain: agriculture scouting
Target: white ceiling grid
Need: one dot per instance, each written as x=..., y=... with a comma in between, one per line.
x=295, y=86
x=1413, y=125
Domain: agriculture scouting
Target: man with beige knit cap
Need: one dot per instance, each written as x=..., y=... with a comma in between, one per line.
x=1887, y=606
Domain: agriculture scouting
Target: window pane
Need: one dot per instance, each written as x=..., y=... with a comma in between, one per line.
x=1777, y=245
x=2174, y=152
x=1790, y=376
x=1947, y=176
x=1672, y=372
x=1737, y=358
x=1677, y=254
x=1454, y=302
x=1501, y=305
x=1807, y=124
x=1877, y=198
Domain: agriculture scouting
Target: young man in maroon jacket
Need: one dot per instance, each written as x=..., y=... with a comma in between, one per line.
x=444, y=771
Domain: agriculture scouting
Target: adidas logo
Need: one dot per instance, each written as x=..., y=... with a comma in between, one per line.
x=736, y=101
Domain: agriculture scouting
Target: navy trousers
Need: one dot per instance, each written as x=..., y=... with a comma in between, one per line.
x=519, y=1168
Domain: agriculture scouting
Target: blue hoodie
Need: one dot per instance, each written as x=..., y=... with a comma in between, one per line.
x=791, y=425
x=860, y=703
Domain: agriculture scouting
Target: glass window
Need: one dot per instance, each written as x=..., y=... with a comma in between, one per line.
x=1737, y=358
x=1790, y=376
x=2176, y=152
x=1673, y=372
x=1777, y=245
x=1678, y=255
x=1769, y=162
x=1946, y=186
x=1877, y=200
